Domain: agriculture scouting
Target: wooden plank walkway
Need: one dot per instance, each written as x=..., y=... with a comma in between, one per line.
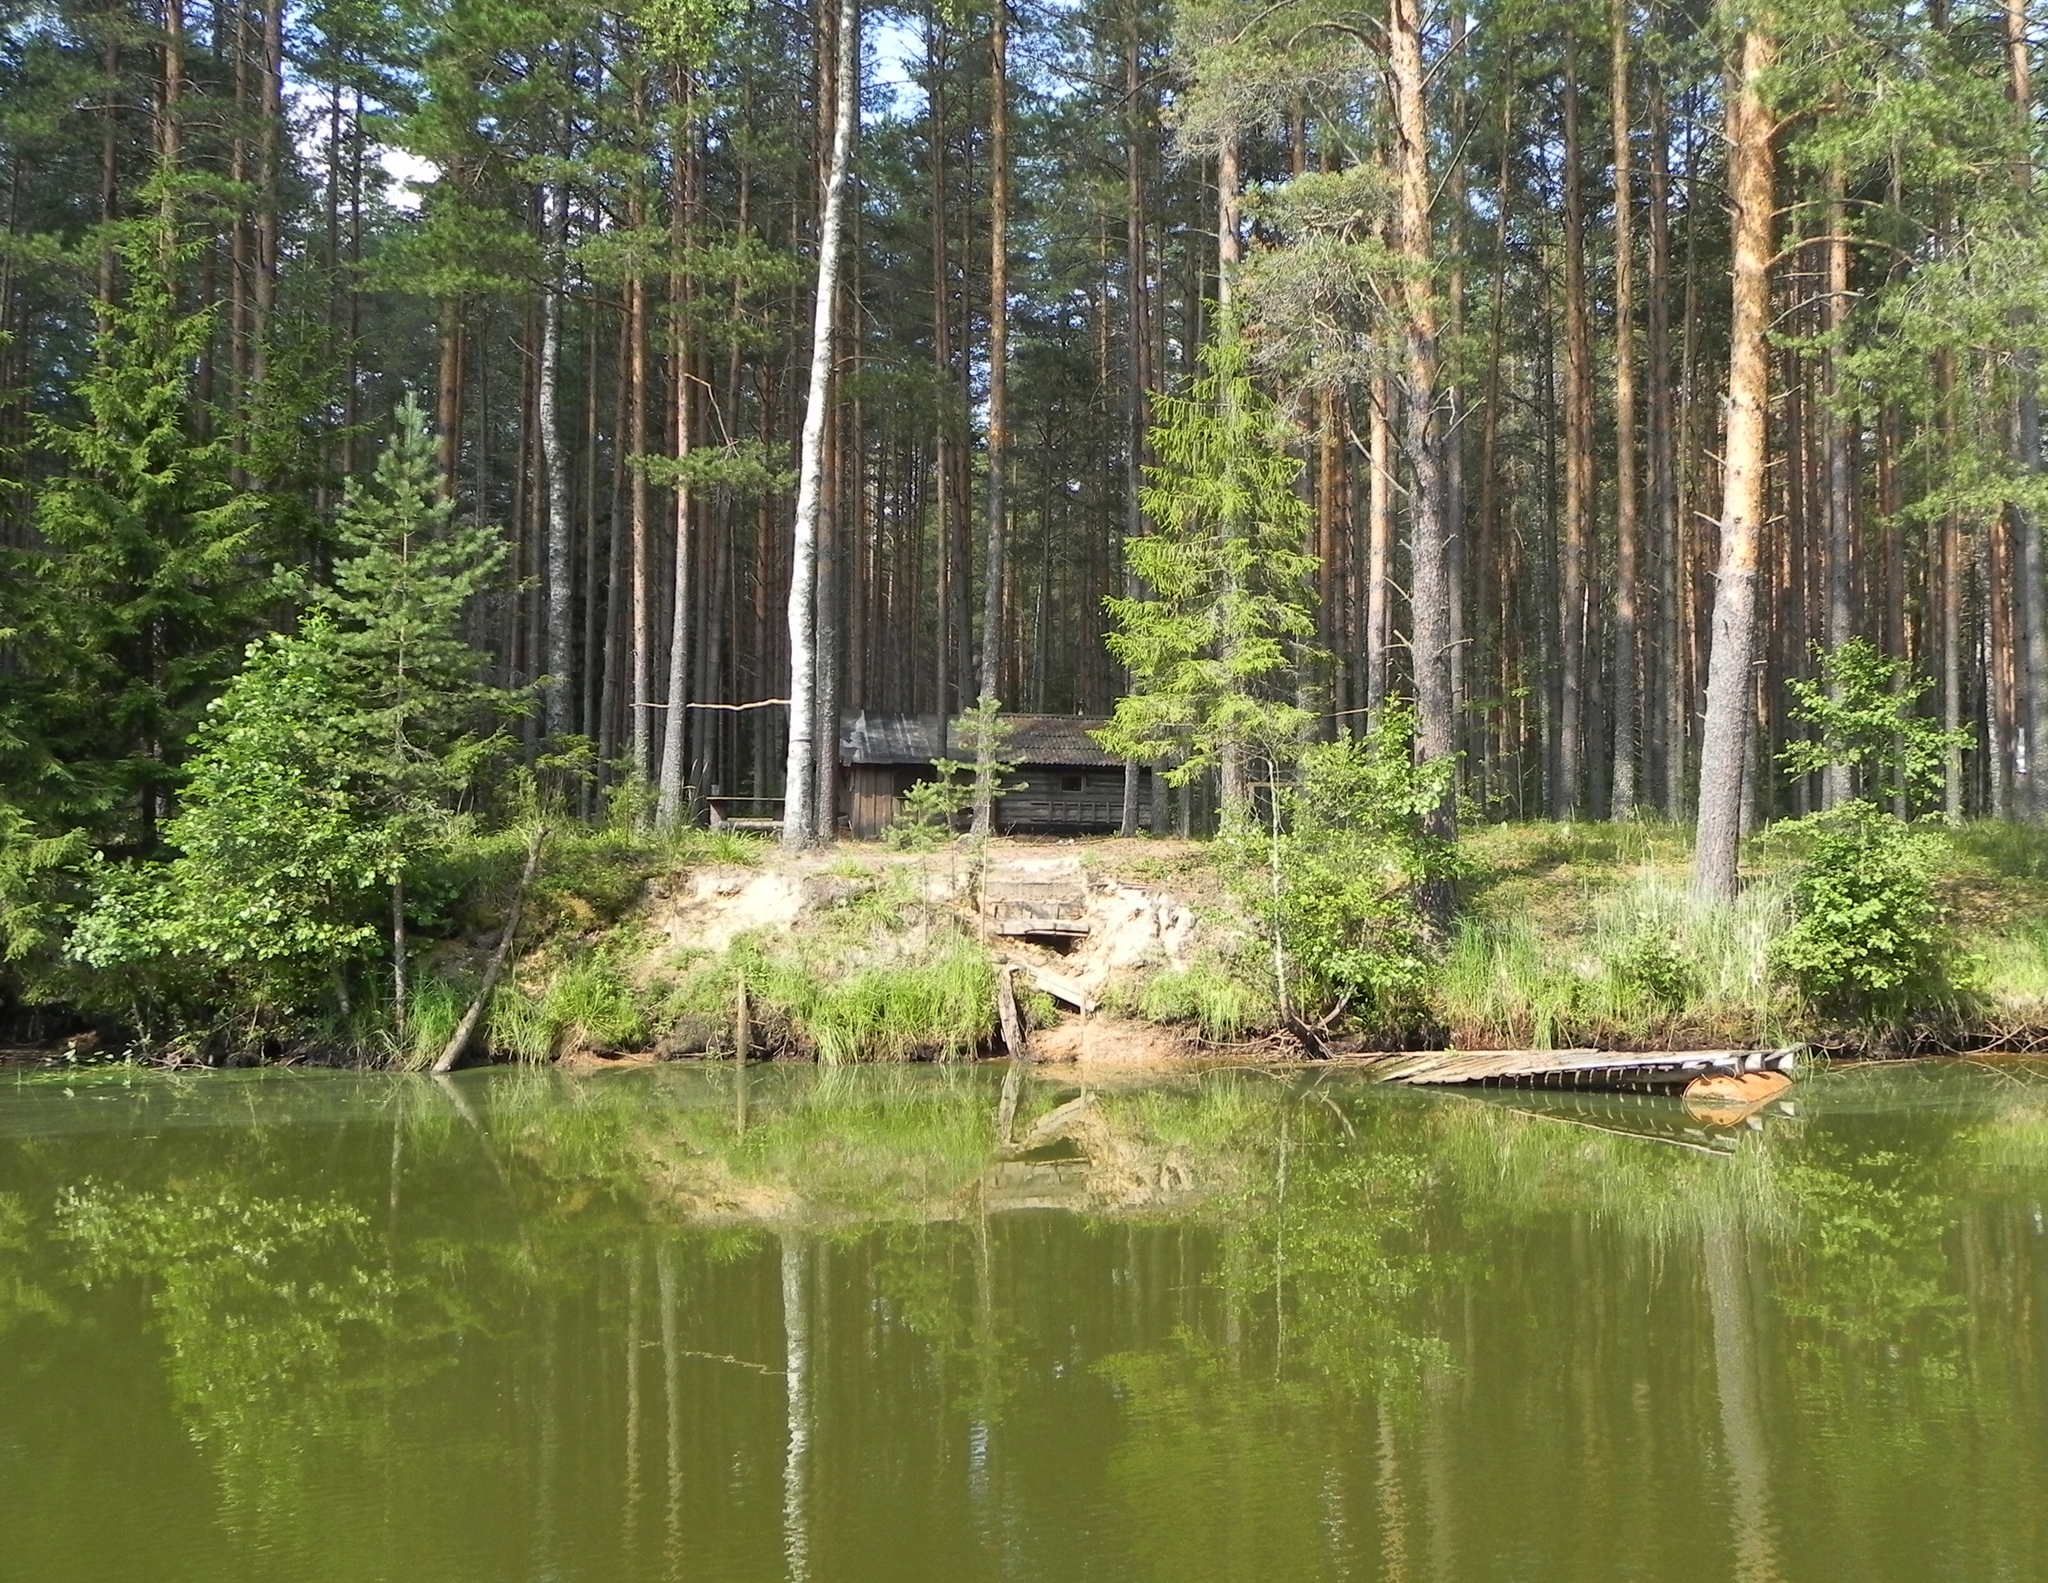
x=1624, y=1071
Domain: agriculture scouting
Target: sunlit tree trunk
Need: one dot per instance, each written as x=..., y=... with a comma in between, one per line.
x=942, y=384
x=2032, y=566
x=996, y=566
x=1836, y=787
x=1578, y=466
x=684, y=196
x=1627, y=521
x=1669, y=667
x=1725, y=736
x=1137, y=338
x=1379, y=550
x=555, y=459
x=1430, y=592
x=1229, y=253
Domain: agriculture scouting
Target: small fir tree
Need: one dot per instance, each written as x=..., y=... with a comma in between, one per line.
x=1216, y=642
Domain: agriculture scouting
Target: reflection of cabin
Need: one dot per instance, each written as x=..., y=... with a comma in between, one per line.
x=1068, y=784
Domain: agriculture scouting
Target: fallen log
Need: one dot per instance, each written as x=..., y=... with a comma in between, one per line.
x=465, y=1030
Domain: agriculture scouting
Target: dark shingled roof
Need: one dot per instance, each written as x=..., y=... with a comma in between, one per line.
x=914, y=739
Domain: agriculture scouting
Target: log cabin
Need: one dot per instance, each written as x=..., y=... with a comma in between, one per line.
x=1064, y=783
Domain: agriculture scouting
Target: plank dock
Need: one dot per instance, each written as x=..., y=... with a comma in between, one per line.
x=1623, y=1071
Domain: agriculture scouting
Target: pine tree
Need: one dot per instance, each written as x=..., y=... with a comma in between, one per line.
x=402, y=587
x=423, y=714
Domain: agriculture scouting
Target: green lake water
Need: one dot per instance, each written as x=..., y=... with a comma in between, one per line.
x=684, y=1323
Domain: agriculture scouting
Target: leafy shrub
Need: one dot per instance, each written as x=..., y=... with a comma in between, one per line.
x=1869, y=941
x=1860, y=713
x=1335, y=878
x=1651, y=968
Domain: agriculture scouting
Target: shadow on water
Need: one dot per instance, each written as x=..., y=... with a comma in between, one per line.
x=812, y=1324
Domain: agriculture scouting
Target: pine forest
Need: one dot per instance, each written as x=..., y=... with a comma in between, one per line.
x=413, y=413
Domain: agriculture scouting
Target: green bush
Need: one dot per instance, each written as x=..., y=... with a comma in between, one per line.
x=1335, y=876
x=1869, y=942
x=1652, y=969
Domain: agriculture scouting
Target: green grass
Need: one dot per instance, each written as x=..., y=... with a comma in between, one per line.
x=1642, y=959
x=1225, y=1005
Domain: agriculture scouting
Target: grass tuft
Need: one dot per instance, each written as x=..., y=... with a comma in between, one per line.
x=1207, y=994
x=1656, y=962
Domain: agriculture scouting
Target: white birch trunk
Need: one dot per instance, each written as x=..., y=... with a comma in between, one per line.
x=554, y=454
x=799, y=808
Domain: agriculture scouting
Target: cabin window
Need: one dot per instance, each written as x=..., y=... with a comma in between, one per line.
x=1070, y=783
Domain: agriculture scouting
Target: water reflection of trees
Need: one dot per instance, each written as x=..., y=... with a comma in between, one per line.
x=1299, y=1327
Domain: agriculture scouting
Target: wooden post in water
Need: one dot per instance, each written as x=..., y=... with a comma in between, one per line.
x=1018, y=1043
x=742, y=1025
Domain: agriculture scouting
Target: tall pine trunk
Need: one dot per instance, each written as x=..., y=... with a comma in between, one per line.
x=639, y=645
x=1627, y=522
x=2031, y=664
x=1136, y=337
x=1725, y=735
x=1669, y=668
x=1578, y=467
x=996, y=567
x=1430, y=590
x=1836, y=788
x=555, y=459
x=683, y=189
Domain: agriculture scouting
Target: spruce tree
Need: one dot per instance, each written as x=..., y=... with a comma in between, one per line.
x=1216, y=644
x=404, y=579
x=149, y=576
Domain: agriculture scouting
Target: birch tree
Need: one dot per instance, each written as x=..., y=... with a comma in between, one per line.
x=802, y=820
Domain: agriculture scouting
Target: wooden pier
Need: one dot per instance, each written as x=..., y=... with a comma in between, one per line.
x=1619, y=1071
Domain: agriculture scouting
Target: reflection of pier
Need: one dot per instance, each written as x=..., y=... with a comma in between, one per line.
x=1614, y=1071
x=1653, y=1117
